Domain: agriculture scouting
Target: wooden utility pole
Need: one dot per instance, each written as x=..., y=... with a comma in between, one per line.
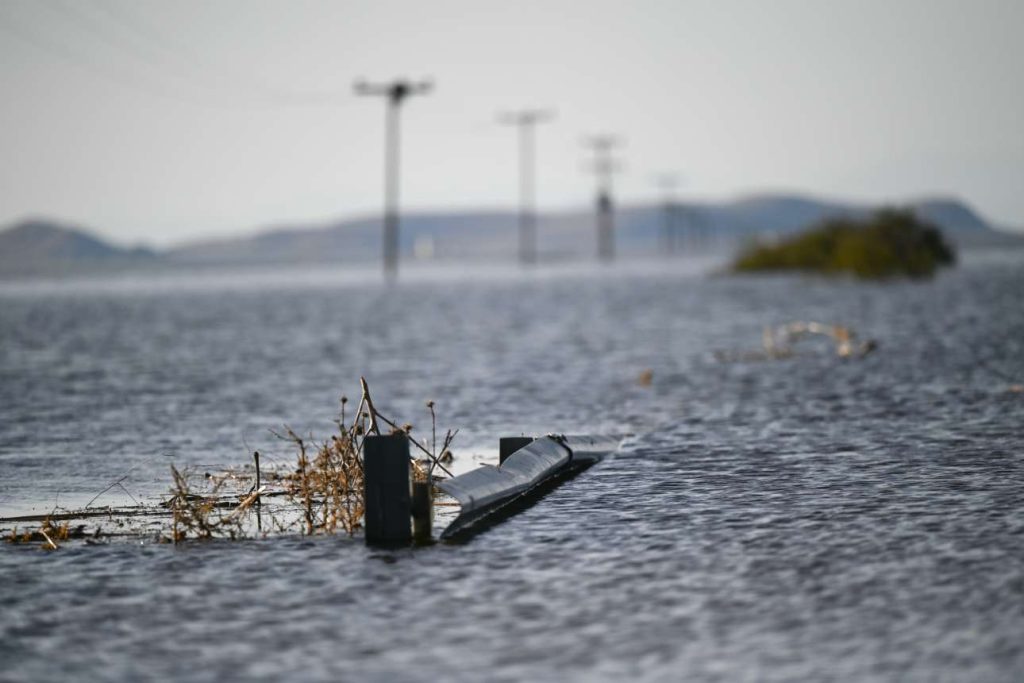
x=525, y=120
x=395, y=92
x=604, y=167
x=667, y=183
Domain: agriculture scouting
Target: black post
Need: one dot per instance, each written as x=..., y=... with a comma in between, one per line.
x=386, y=489
x=507, y=445
x=422, y=511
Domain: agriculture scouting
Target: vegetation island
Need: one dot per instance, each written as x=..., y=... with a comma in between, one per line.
x=888, y=243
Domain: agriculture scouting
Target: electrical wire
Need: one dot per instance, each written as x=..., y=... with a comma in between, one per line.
x=213, y=95
x=154, y=38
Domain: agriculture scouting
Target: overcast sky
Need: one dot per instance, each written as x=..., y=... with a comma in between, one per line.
x=159, y=122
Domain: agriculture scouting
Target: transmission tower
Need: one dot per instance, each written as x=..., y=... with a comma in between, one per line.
x=396, y=92
x=604, y=167
x=525, y=120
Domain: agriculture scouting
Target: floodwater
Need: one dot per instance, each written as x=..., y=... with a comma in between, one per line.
x=812, y=518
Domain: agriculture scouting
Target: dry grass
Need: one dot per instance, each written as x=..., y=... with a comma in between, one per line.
x=200, y=515
x=328, y=487
x=321, y=494
x=47, y=534
x=324, y=492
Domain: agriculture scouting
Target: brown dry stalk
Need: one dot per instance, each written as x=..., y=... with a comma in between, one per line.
x=200, y=515
x=324, y=491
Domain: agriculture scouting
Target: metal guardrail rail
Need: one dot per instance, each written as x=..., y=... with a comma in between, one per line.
x=487, y=490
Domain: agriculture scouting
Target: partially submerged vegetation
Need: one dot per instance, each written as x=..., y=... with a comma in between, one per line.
x=890, y=243
x=47, y=534
x=321, y=494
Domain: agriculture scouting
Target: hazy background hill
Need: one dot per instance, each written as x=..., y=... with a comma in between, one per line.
x=493, y=234
x=41, y=247
x=38, y=246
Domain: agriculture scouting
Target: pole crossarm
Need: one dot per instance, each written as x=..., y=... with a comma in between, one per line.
x=525, y=117
x=396, y=91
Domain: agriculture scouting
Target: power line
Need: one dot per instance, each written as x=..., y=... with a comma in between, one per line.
x=525, y=121
x=102, y=31
x=86, y=63
x=395, y=93
x=141, y=52
x=175, y=50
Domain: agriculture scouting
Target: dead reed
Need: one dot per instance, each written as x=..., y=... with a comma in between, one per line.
x=324, y=492
x=201, y=515
x=321, y=494
x=47, y=534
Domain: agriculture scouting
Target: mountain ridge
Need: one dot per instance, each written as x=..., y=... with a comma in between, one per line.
x=36, y=245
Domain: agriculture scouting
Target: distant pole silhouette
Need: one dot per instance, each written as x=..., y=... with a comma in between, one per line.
x=667, y=183
x=604, y=166
x=704, y=227
x=525, y=120
x=395, y=92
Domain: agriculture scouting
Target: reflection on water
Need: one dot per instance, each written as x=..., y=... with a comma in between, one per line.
x=809, y=518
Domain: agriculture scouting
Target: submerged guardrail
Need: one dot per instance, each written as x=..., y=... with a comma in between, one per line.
x=526, y=468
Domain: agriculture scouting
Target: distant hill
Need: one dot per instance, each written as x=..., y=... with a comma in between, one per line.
x=37, y=246
x=493, y=234
x=951, y=215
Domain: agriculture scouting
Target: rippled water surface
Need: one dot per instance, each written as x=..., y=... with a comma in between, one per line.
x=811, y=518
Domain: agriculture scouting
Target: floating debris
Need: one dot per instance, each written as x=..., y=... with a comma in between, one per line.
x=779, y=342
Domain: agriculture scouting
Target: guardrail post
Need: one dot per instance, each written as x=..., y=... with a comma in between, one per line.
x=422, y=511
x=507, y=445
x=386, y=489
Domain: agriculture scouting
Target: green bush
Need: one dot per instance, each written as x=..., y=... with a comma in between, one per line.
x=892, y=242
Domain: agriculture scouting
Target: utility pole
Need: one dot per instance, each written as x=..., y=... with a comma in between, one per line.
x=525, y=120
x=667, y=183
x=604, y=167
x=395, y=92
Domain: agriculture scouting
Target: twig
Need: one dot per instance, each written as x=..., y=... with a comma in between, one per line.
x=252, y=499
x=256, y=457
x=417, y=444
x=53, y=546
x=433, y=427
x=369, y=406
x=121, y=486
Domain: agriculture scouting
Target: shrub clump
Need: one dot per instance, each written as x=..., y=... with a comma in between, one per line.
x=891, y=242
